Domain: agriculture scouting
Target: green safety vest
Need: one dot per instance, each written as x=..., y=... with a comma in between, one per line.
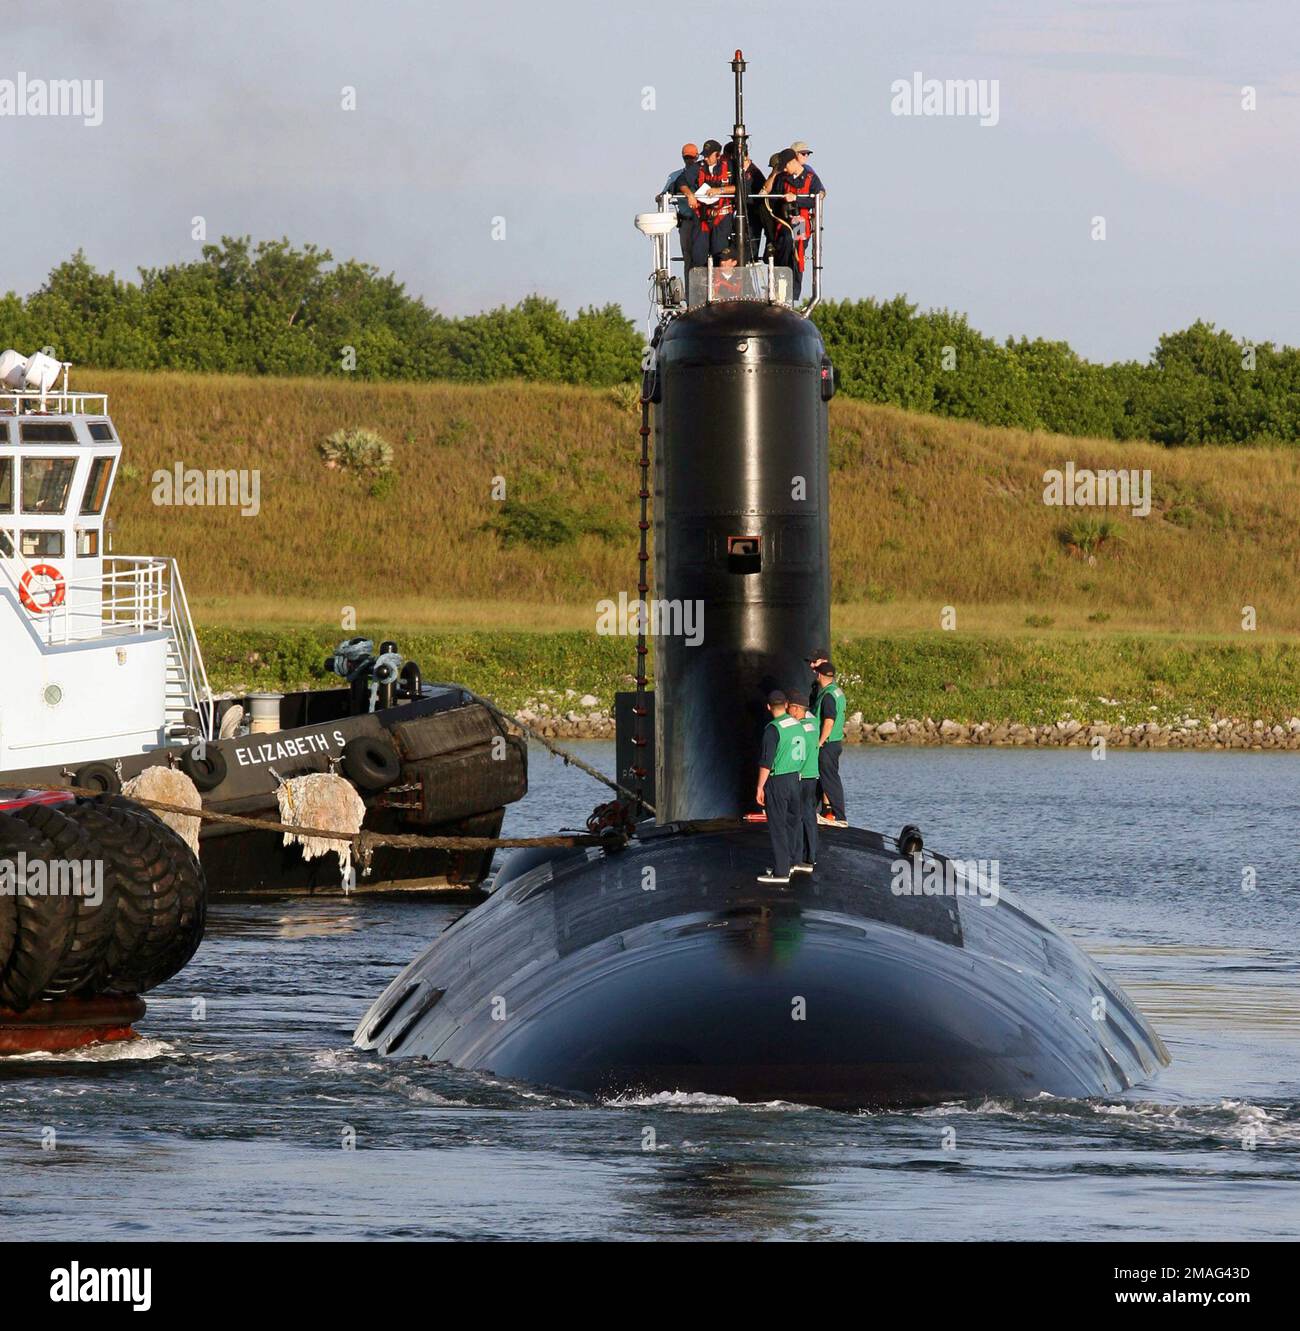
x=810, y=768
x=790, y=745
x=837, y=730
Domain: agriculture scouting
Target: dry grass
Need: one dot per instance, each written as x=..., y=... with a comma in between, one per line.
x=926, y=513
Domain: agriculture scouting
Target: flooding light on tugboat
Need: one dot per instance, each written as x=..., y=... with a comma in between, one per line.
x=13, y=369
x=42, y=372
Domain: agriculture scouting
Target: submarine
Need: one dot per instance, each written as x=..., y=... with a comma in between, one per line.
x=659, y=963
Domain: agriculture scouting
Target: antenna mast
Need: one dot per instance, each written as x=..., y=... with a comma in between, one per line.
x=740, y=141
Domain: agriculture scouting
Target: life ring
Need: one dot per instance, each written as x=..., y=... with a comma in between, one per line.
x=54, y=594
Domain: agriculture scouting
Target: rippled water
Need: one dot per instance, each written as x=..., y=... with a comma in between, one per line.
x=233, y=1125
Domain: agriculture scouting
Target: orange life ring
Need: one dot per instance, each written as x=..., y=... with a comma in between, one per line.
x=53, y=595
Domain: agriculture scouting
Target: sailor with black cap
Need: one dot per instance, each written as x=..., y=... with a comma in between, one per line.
x=831, y=707
x=779, y=774
x=709, y=187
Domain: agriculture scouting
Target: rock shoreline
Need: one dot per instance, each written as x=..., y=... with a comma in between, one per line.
x=584, y=719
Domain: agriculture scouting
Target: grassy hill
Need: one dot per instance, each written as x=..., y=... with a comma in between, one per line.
x=926, y=513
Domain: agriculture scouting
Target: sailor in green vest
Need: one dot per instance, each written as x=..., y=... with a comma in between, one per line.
x=798, y=706
x=831, y=708
x=784, y=750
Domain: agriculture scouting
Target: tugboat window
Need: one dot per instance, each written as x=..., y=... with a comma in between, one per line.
x=46, y=482
x=6, y=544
x=101, y=432
x=6, y=485
x=88, y=543
x=48, y=432
x=4, y=432
x=41, y=544
x=97, y=486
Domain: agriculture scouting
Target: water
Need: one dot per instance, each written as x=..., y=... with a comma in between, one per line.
x=233, y=1126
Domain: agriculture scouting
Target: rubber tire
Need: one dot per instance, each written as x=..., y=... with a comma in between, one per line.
x=8, y=928
x=371, y=763
x=98, y=777
x=82, y=967
x=161, y=894
x=207, y=772
x=46, y=926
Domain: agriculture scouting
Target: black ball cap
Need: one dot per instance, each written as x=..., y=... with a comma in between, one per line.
x=710, y=146
x=799, y=699
x=826, y=668
x=776, y=697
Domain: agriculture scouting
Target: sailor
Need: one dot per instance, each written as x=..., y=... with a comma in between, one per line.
x=806, y=850
x=778, y=785
x=709, y=187
x=798, y=183
x=830, y=714
x=686, y=219
x=728, y=277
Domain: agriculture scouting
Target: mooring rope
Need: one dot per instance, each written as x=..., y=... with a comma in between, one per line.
x=364, y=840
x=570, y=759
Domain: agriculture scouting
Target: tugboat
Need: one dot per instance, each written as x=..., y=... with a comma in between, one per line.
x=673, y=962
x=104, y=682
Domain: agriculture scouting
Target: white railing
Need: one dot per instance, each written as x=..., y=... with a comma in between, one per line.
x=133, y=594
x=767, y=288
x=58, y=401
x=186, y=641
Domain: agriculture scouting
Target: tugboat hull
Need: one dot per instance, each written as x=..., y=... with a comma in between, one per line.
x=453, y=770
x=667, y=968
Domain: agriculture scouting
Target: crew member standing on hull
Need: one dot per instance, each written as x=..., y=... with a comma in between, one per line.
x=778, y=785
x=686, y=219
x=709, y=187
x=830, y=713
x=798, y=704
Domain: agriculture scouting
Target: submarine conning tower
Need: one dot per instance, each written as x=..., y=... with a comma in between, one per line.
x=742, y=534
x=740, y=384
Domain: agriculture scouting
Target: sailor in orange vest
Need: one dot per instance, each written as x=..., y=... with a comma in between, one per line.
x=794, y=179
x=710, y=190
x=728, y=277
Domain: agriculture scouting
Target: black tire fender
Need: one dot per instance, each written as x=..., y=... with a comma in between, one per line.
x=161, y=894
x=102, y=778
x=42, y=927
x=371, y=762
x=207, y=772
x=93, y=921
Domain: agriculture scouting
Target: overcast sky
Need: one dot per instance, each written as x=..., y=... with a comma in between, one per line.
x=534, y=112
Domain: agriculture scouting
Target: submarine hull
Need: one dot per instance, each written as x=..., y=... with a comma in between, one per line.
x=667, y=968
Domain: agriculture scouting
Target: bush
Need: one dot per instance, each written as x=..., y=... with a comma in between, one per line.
x=359, y=450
